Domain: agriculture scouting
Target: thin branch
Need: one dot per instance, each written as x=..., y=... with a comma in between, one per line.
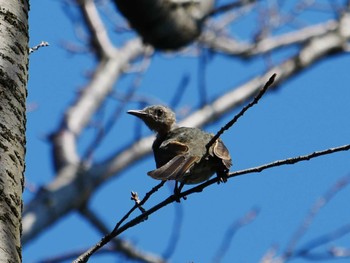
x=243, y=110
x=270, y=255
x=180, y=91
x=73, y=254
x=136, y=199
x=339, y=251
x=231, y=46
x=304, y=226
x=119, y=245
x=175, y=235
x=110, y=123
x=292, y=160
x=227, y=7
x=98, y=32
x=305, y=251
x=202, y=73
x=237, y=225
x=107, y=238
x=138, y=205
x=40, y=45
x=111, y=250
x=199, y=188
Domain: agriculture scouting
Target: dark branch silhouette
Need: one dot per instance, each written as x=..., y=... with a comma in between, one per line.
x=244, y=109
x=199, y=188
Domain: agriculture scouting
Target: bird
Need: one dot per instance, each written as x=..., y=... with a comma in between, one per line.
x=180, y=153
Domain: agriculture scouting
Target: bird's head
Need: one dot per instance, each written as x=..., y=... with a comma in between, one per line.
x=157, y=117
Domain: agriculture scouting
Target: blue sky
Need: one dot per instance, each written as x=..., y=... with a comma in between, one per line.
x=306, y=114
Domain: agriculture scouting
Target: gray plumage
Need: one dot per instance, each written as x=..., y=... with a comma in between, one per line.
x=180, y=152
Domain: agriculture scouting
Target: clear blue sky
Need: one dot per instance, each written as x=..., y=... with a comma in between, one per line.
x=308, y=113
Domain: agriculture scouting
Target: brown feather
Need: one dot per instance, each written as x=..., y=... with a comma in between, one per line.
x=174, y=169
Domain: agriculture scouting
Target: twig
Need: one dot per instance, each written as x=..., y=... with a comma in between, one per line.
x=137, y=205
x=243, y=110
x=35, y=48
x=261, y=168
x=228, y=7
x=73, y=254
x=94, y=220
x=339, y=251
x=305, y=251
x=321, y=202
x=117, y=245
x=270, y=255
x=107, y=238
x=180, y=90
x=135, y=198
x=103, y=132
x=237, y=225
x=292, y=160
x=175, y=235
x=202, y=73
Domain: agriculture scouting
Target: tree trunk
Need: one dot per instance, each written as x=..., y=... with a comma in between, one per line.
x=13, y=81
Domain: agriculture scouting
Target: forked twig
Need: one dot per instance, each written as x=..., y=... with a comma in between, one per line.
x=115, y=232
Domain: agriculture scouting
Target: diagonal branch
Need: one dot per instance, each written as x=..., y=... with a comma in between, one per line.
x=99, y=35
x=199, y=188
x=233, y=47
x=314, y=210
x=241, y=113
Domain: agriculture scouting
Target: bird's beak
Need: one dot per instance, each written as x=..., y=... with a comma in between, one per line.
x=138, y=113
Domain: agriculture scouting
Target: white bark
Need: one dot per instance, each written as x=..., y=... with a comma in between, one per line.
x=13, y=80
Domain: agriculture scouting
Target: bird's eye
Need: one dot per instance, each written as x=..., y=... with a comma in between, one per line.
x=159, y=112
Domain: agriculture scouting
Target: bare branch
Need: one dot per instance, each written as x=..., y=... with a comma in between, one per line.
x=258, y=169
x=225, y=244
x=89, y=100
x=319, y=204
x=306, y=250
x=199, y=188
x=110, y=249
x=98, y=32
x=241, y=113
x=119, y=245
x=102, y=133
x=231, y=46
x=175, y=235
x=230, y=6
x=107, y=238
x=40, y=45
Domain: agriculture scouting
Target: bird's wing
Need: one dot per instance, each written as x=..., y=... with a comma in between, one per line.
x=168, y=150
x=174, y=169
x=174, y=147
x=221, y=151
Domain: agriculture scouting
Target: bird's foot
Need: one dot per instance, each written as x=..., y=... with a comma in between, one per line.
x=177, y=192
x=222, y=177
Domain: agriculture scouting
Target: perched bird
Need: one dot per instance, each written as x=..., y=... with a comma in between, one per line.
x=180, y=152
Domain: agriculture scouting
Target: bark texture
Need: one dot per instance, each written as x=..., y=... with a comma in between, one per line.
x=13, y=81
